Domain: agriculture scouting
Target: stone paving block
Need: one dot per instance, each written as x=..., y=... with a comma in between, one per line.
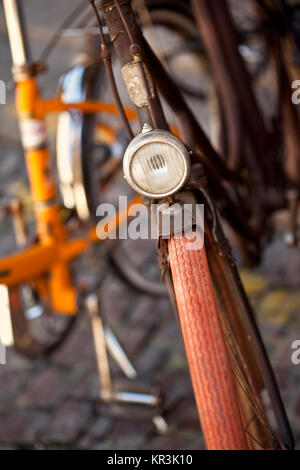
x=153, y=358
x=169, y=329
x=146, y=313
x=164, y=443
x=254, y=283
x=15, y=361
x=277, y=306
x=192, y=440
x=177, y=360
x=132, y=339
x=12, y=384
x=288, y=379
x=116, y=298
x=45, y=390
x=129, y=434
x=184, y=415
x=281, y=264
x=284, y=350
x=67, y=422
x=96, y=433
x=87, y=387
x=139, y=251
x=72, y=351
x=297, y=408
x=22, y=427
x=175, y=385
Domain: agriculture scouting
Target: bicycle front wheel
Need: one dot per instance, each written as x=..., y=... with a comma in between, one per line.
x=213, y=383
x=224, y=369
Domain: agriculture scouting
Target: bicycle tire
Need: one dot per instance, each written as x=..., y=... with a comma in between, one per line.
x=213, y=382
x=250, y=363
x=26, y=342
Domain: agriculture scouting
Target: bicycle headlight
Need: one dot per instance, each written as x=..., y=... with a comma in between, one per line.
x=156, y=163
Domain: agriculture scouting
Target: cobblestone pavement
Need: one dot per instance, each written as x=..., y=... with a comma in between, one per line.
x=55, y=404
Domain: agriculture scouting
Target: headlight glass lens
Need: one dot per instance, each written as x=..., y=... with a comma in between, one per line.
x=157, y=168
x=156, y=164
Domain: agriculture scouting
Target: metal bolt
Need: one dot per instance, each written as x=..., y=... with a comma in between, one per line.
x=146, y=128
x=92, y=304
x=135, y=49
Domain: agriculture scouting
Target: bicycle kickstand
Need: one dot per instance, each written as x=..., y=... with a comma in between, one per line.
x=131, y=392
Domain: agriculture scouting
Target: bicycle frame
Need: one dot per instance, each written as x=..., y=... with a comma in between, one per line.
x=32, y=110
x=133, y=50
x=56, y=245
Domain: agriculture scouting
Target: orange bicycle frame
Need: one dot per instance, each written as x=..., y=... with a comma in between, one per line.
x=56, y=246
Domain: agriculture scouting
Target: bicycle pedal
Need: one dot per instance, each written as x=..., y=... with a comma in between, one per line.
x=137, y=399
x=162, y=426
x=138, y=385
x=135, y=392
x=138, y=412
x=128, y=410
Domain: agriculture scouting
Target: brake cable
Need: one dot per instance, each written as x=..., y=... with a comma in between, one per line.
x=57, y=34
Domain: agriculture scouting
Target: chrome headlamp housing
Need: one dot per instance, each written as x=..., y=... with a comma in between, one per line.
x=156, y=164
